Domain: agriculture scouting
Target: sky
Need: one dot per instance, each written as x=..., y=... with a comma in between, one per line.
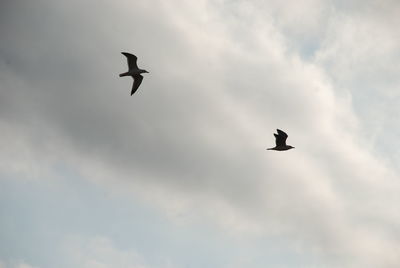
x=177, y=176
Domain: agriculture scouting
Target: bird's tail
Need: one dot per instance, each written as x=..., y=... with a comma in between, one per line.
x=123, y=74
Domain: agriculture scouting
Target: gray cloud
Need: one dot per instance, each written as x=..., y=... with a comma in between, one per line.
x=193, y=137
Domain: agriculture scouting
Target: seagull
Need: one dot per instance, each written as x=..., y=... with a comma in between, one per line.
x=280, y=141
x=133, y=71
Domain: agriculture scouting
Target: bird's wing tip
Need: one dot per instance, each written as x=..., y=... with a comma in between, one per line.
x=281, y=132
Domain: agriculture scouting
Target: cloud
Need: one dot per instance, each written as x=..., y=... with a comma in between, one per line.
x=360, y=53
x=99, y=252
x=20, y=264
x=223, y=76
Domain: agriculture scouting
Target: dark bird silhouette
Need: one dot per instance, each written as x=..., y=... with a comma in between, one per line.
x=280, y=141
x=133, y=71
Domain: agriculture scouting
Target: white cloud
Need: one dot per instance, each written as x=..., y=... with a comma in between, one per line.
x=24, y=265
x=19, y=264
x=192, y=140
x=99, y=252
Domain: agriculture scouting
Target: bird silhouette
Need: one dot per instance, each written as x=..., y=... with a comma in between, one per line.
x=134, y=71
x=280, y=141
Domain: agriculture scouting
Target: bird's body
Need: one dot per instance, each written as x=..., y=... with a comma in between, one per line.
x=280, y=141
x=133, y=71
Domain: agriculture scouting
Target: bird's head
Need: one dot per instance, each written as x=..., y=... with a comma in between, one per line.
x=144, y=71
x=290, y=147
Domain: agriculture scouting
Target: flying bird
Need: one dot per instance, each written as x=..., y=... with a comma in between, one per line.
x=133, y=71
x=280, y=141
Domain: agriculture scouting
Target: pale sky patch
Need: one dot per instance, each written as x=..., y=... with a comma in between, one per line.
x=188, y=149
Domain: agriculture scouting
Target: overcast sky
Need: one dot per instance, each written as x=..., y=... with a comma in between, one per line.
x=177, y=176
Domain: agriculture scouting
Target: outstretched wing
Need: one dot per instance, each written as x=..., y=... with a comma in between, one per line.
x=280, y=138
x=132, y=60
x=137, y=80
